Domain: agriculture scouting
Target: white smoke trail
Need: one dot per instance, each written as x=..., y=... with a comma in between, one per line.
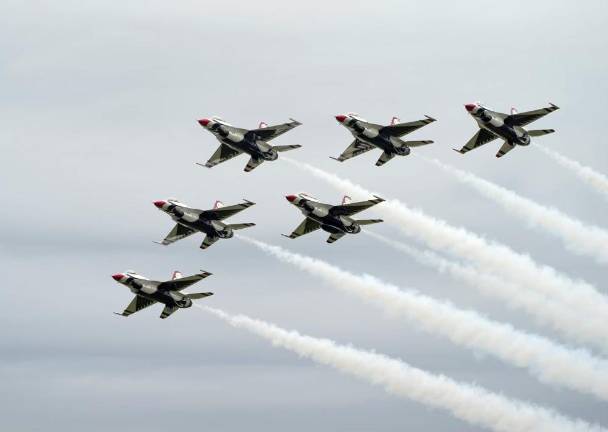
x=490, y=256
x=555, y=315
x=549, y=361
x=467, y=402
x=596, y=180
x=577, y=236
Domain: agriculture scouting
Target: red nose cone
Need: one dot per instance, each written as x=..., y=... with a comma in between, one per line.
x=159, y=204
x=290, y=198
x=117, y=276
x=341, y=118
x=470, y=107
x=204, y=122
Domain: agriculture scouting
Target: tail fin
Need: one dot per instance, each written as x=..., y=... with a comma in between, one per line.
x=263, y=125
x=241, y=226
x=369, y=221
x=540, y=132
x=513, y=110
x=346, y=199
x=395, y=120
x=218, y=204
x=284, y=148
x=176, y=275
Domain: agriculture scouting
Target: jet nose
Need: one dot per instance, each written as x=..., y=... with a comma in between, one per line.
x=204, y=122
x=160, y=204
x=117, y=276
x=341, y=118
x=290, y=198
x=470, y=107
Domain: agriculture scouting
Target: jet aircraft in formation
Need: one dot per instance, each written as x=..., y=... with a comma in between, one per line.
x=190, y=220
x=337, y=220
x=334, y=219
x=510, y=128
x=387, y=138
x=148, y=292
x=235, y=141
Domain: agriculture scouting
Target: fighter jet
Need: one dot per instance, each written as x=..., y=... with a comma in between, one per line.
x=509, y=128
x=190, y=220
x=148, y=292
x=254, y=142
x=335, y=220
x=387, y=138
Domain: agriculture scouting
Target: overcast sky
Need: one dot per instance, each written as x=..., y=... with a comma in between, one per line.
x=98, y=110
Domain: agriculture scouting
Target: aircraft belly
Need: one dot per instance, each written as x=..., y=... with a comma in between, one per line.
x=377, y=141
x=237, y=146
x=158, y=297
x=502, y=131
x=328, y=223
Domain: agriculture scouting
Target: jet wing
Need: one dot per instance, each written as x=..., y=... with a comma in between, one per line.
x=167, y=311
x=356, y=148
x=138, y=303
x=222, y=154
x=225, y=212
x=177, y=233
x=307, y=226
x=335, y=237
x=524, y=118
x=271, y=132
x=355, y=207
x=208, y=241
x=384, y=158
x=506, y=148
x=181, y=283
x=401, y=129
x=483, y=136
x=253, y=164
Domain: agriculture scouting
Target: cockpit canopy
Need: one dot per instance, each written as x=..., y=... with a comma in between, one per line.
x=220, y=120
x=308, y=197
x=355, y=116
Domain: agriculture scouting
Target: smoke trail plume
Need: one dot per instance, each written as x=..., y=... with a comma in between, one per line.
x=549, y=361
x=490, y=256
x=596, y=180
x=467, y=402
x=577, y=236
x=561, y=319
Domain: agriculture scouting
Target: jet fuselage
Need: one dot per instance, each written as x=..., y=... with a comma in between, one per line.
x=193, y=219
x=149, y=289
x=495, y=123
x=369, y=134
x=247, y=142
x=321, y=213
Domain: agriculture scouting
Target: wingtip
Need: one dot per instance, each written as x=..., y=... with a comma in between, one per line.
x=203, y=165
x=458, y=151
x=553, y=105
x=295, y=121
x=379, y=198
x=336, y=159
x=159, y=243
x=430, y=118
x=120, y=314
x=205, y=272
x=248, y=202
x=288, y=236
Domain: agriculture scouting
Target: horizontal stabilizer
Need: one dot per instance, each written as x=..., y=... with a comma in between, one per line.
x=417, y=143
x=241, y=226
x=540, y=132
x=369, y=221
x=195, y=296
x=284, y=148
